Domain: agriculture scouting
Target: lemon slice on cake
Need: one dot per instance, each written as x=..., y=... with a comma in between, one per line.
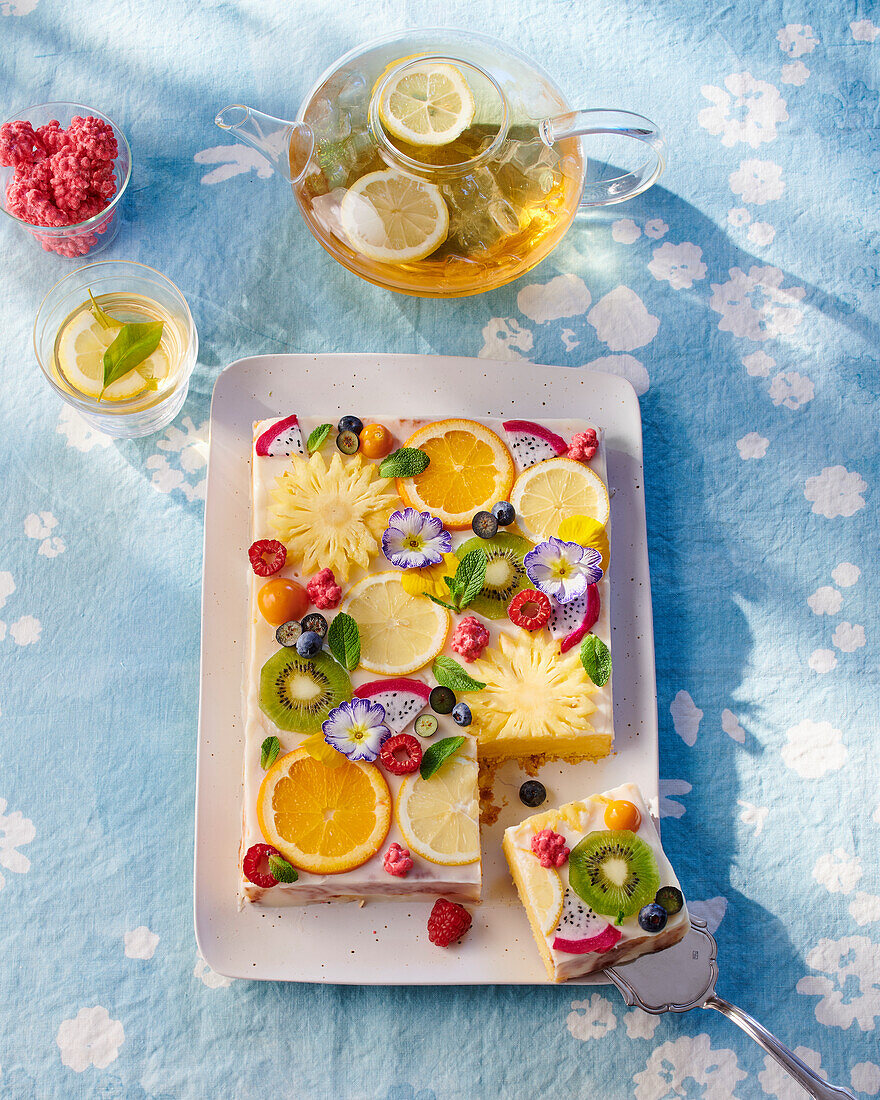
x=394, y=218
x=543, y=887
x=439, y=817
x=81, y=360
x=427, y=104
x=550, y=492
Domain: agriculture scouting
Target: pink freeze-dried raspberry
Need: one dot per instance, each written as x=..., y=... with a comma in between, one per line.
x=323, y=590
x=93, y=138
x=470, y=638
x=397, y=861
x=583, y=445
x=51, y=137
x=17, y=144
x=550, y=848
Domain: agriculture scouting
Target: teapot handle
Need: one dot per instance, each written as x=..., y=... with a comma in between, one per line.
x=622, y=124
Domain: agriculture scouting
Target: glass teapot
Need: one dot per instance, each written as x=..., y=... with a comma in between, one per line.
x=442, y=163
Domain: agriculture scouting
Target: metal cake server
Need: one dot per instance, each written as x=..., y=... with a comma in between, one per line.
x=683, y=977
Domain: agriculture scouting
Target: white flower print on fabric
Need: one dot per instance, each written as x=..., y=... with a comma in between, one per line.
x=776, y=1082
x=668, y=806
x=686, y=717
x=564, y=296
x=756, y=305
x=711, y=910
x=91, y=1038
x=640, y=1025
x=16, y=830
x=140, y=943
x=813, y=748
x=753, y=815
x=26, y=631
x=738, y=217
x=795, y=72
x=757, y=181
x=78, y=432
x=863, y=30
x=825, y=600
x=835, y=492
x=655, y=228
x=866, y=1075
x=875, y=817
x=621, y=320
x=679, y=264
x=797, y=39
x=505, y=338
x=41, y=527
x=846, y=965
x=17, y=7
x=761, y=233
x=848, y=637
x=591, y=1019
x=749, y=111
x=569, y=339
x=210, y=977
x=865, y=908
x=232, y=160
x=191, y=447
x=625, y=231
x=689, y=1067
x=752, y=446
x=731, y=726
x=791, y=389
x=822, y=660
x=624, y=366
x=7, y=586
x=838, y=871
x=759, y=364
x=846, y=574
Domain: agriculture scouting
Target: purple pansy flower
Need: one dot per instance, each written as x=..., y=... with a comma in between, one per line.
x=413, y=540
x=563, y=570
x=356, y=729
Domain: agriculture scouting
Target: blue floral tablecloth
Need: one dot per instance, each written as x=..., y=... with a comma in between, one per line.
x=739, y=296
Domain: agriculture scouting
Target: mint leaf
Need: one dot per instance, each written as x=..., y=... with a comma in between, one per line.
x=103, y=319
x=437, y=754
x=316, y=438
x=269, y=752
x=469, y=577
x=596, y=659
x=434, y=599
x=450, y=674
x=344, y=641
x=134, y=343
x=280, y=869
x=405, y=462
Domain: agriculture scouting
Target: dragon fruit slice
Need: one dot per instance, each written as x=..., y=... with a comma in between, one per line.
x=402, y=699
x=573, y=621
x=530, y=443
x=580, y=930
x=281, y=440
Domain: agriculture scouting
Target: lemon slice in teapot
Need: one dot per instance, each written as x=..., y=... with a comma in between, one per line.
x=427, y=104
x=394, y=218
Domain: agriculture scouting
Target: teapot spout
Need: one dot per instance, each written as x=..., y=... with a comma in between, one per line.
x=286, y=145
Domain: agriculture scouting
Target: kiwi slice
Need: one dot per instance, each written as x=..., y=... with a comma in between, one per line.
x=505, y=572
x=614, y=872
x=298, y=693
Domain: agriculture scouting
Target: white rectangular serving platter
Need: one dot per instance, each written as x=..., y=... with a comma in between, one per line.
x=385, y=943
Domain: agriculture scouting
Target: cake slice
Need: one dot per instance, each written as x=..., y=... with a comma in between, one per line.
x=597, y=887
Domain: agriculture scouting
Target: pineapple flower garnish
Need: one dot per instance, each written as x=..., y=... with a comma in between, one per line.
x=563, y=570
x=356, y=729
x=414, y=539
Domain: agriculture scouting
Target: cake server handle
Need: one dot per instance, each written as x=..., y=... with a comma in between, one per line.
x=789, y=1061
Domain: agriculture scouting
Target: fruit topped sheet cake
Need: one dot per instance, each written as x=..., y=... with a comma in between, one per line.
x=424, y=595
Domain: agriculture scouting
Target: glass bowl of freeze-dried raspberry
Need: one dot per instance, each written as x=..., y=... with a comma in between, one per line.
x=64, y=168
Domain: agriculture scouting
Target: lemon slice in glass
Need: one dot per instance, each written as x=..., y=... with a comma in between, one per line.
x=394, y=218
x=427, y=104
x=81, y=361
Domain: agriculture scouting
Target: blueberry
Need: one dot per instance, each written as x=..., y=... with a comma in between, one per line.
x=288, y=633
x=485, y=525
x=504, y=513
x=670, y=898
x=316, y=623
x=653, y=917
x=348, y=442
x=309, y=644
x=442, y=700
x=461, y=714
x=532, y=793
x=350, y=424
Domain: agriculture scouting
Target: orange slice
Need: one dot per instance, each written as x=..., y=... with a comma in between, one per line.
x=470, y=470
x=324, y=820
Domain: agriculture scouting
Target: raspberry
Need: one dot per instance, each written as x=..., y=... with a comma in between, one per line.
x=256, y=865
x=529, y=609
x=323, y=590
x=397, y=861
x=448, y=922
x=267, y=556
x=404, y=743
x=17, y=141
x=583, y=445
x=470, y=638
x=550, y=848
